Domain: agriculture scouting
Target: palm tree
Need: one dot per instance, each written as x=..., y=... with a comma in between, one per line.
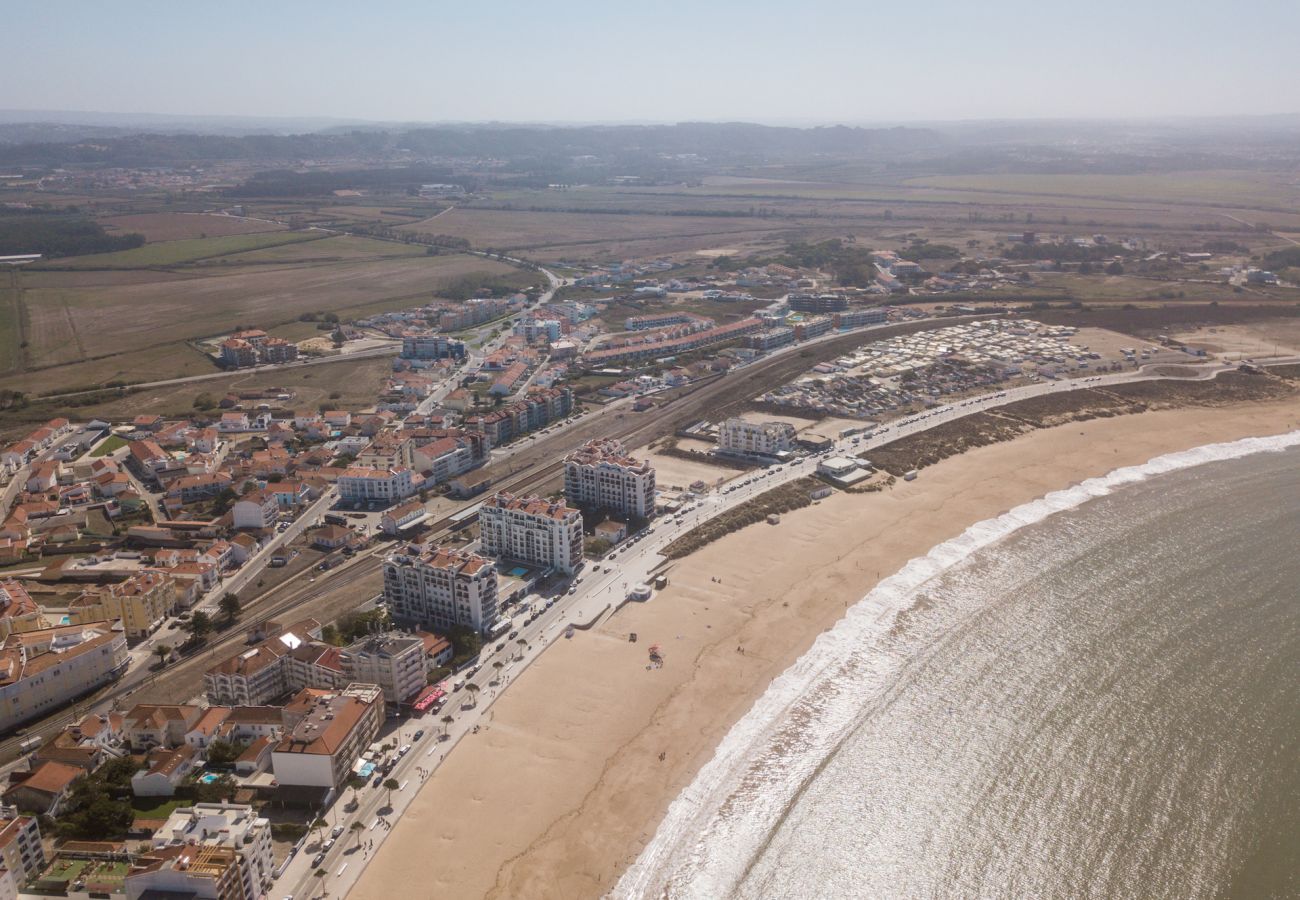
x=391, y=785
x=319, y=825
x=446, y=723
x=162, y=651
x=523, y=645
x=357, y=828
x=321, y=873
x=498, y=665
x=356, y=784
x=472, y=689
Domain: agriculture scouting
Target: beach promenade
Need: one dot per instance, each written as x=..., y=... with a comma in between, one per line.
x=574, y=765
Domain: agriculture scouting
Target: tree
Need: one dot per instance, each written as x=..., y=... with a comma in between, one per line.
x=204, y=401
x=1115, y=268
x=229, y=606
x=446, y=723
x=357, y=828
x=321, y=873
x=356, y=783
x=162, y=651
x=390, y=784
x=472, y=689
x=523, y=645
x=199, y=626
x=498, y=666
x=223, y=753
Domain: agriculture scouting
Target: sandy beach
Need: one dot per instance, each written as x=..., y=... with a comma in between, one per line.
x=585, y=751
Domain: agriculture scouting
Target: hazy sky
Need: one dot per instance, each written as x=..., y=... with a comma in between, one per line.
x=571, y=60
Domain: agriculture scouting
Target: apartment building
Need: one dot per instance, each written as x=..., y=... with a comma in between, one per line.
x=225, y=852
x=600, y=474
x=856, y=318
x=394, y=661
x=772, y=338
x=21, y=853
x=18, y=611
x=42, y=670
x=255, y=510
x=384, y=486
x=532, y=530
x=755, y=438
x=327, y=732
x=431, y=345
x=264, y=672
x=817, y=303
x=141, y=603
x=441, y=589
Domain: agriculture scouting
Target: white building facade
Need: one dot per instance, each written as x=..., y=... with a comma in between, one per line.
x=441, y=589
x=532, y=530
x=600, y=474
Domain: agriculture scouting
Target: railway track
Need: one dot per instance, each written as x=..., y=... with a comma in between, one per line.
x=541, y=463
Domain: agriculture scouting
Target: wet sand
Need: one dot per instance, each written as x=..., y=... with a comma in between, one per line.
x=565, y=786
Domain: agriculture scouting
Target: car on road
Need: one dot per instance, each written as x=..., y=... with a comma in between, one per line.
x=328, y=845
x=379, y=779
x=318, y=860
x=336, y=832
x=418, y=734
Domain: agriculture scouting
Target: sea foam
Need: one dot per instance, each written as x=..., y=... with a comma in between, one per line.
x=714, y=830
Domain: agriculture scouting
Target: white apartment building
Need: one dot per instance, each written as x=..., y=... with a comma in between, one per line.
x=233, y=826
x=531, y=530
x=393, y=661
x=328, y=732
x=362, y=485
x=42, y=670
x=600, y=474
x=755, y=438
x=441, y=589
x=258, y=509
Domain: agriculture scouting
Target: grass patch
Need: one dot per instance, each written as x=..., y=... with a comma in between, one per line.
x=109, y=444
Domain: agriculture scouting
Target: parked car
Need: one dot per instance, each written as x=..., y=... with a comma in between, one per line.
x=318, y=860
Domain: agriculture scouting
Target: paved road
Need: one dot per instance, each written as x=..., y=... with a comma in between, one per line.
x=595, y=594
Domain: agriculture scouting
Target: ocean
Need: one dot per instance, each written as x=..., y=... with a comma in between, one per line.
x=1096, y=694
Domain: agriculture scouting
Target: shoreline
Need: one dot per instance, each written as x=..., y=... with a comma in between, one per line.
x=562, y=790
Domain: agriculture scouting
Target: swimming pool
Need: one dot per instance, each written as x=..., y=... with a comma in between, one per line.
x=209, y=777
x=366, y=771
x=517, y=572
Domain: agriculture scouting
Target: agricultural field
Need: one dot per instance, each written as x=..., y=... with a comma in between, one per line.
x=330, y=249
x=175, y=226
x=577, y=233
x=351, y=384
x=1235, y=189
x=172, y=253
x=86, y=328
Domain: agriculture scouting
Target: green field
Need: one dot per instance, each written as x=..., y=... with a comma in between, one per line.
x=173, y=253
x=109, y=444
x=10, y=352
